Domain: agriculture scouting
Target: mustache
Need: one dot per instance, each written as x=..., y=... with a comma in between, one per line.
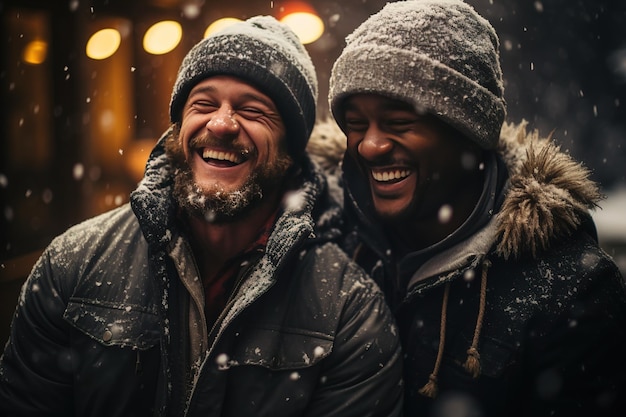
x=208, y=141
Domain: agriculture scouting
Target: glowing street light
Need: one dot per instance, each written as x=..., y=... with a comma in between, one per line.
x=303, y=20
x=103, y=43
x=162, y=37
x=220, y=24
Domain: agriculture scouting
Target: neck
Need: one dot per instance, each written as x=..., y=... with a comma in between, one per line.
x=423, y=231
x=214, y=244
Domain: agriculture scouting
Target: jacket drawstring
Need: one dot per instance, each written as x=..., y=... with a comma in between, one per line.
x=472, y=364
x=430, y=389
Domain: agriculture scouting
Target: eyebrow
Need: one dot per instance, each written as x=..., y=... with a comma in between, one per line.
x=264, y=100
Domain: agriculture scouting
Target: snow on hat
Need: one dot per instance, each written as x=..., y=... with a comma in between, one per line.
x=438, y=55
x=267, y=54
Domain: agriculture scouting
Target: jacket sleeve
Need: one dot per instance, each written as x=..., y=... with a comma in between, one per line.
x=363, y=375
x=35, y=368
x=577, y=363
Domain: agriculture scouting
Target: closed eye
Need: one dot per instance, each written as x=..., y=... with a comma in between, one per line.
x=204, y=106
x=251, y=112
x=356, y=125
x=400, y=125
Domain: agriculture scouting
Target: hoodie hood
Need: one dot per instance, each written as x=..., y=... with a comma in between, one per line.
x=548, y=195
x=310, y=205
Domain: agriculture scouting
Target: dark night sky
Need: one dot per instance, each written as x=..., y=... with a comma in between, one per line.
x=564, y=64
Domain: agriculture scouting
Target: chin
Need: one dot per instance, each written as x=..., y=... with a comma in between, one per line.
x=393, y=216
x=397, y=213
x=391, y=208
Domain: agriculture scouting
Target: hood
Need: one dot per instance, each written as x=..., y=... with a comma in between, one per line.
x=310, y=204
x=326, y=148
x=151, y=201
x=549, y=194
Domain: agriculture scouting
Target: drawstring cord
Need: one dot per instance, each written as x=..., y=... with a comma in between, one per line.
x=430, y=389
x=472, y=364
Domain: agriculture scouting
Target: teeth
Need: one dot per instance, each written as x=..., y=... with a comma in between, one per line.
x=221, y=156
x=390, y=175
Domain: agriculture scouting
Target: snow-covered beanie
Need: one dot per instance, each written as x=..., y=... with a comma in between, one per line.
x=439, y=55
x=269, y=55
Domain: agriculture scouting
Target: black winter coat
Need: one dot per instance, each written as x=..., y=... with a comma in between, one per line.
x=111, y=323
x=528, y=313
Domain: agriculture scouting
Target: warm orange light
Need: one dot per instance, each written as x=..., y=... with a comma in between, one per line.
x=35, y=52
x=103, y=43
x=220, y=24
x=162, y=37
x=303, y=20
x=309, y=27
x=136, y=156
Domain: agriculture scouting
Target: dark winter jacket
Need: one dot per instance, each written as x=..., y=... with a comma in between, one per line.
x=111, y=321
x=527, y=313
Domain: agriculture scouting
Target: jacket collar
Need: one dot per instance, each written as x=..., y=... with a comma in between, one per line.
x=309, y=210
x=152, y=200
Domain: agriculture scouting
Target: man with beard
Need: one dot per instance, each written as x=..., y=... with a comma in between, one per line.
x=478, y=232
x=218, y=291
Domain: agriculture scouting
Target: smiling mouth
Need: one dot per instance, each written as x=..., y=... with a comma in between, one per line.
x=390, y=175
x=222, y=157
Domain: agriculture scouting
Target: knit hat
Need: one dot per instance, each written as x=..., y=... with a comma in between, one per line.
x=438, y=55
x=267, y=54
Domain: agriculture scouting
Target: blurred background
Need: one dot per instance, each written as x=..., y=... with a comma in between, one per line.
x=85, y=89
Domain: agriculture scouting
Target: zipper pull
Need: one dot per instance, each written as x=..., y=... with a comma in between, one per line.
x=138, y=365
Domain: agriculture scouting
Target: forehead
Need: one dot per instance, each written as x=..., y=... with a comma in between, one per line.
x=377, y=102
x=230, y=86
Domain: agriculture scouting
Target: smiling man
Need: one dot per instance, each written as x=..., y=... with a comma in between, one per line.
x=218, y=291
x=411, y=175
x=235, y=160
x=478, y=232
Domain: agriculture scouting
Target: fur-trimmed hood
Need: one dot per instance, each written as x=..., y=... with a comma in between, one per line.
x=548, y=196
x=507, y=291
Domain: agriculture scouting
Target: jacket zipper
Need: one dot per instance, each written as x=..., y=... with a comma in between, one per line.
x=214, y=333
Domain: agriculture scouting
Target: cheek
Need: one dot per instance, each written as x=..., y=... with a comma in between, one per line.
x=174, y=148
x=352, y=146
x=274, y=147
x=182, y=149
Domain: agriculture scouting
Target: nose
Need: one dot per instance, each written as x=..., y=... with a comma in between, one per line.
x=374, y=144
x=222, y=122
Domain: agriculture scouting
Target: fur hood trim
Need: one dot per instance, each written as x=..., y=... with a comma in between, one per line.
x=326, y=147
x=548, y=196
x=549, y=193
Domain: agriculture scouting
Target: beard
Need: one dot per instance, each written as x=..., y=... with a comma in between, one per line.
x=213, y=202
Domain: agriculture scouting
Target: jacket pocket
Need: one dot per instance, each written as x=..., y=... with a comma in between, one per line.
x=114, y=325
x=279, y=348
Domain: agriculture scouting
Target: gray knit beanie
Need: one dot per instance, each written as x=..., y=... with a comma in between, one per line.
x=267, y=54
x=439, y=55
